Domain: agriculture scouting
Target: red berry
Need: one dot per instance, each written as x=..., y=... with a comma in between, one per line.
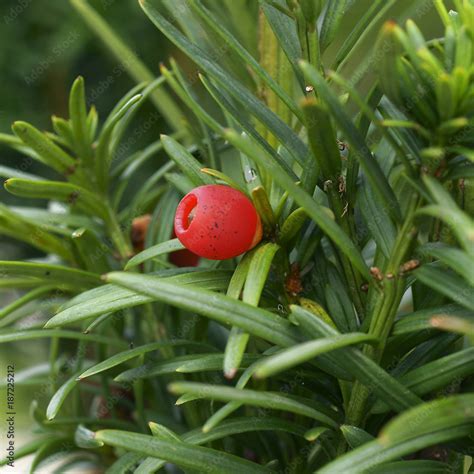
x=181, y=258
x=217, y=222
x=184, y=258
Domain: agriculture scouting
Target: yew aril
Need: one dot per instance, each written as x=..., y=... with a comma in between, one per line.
x=217, y=222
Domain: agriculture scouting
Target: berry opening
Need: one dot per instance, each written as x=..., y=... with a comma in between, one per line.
x=190, y=217
x=186, y=212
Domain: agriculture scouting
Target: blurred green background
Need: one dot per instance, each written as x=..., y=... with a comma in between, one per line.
x=44, y=45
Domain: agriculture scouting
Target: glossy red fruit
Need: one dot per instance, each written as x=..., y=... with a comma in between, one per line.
x=217, y=222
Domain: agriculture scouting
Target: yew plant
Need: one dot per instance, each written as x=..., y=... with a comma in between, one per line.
x=341, y=343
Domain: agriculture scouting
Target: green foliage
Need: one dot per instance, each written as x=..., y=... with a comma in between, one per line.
x=343, y=342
